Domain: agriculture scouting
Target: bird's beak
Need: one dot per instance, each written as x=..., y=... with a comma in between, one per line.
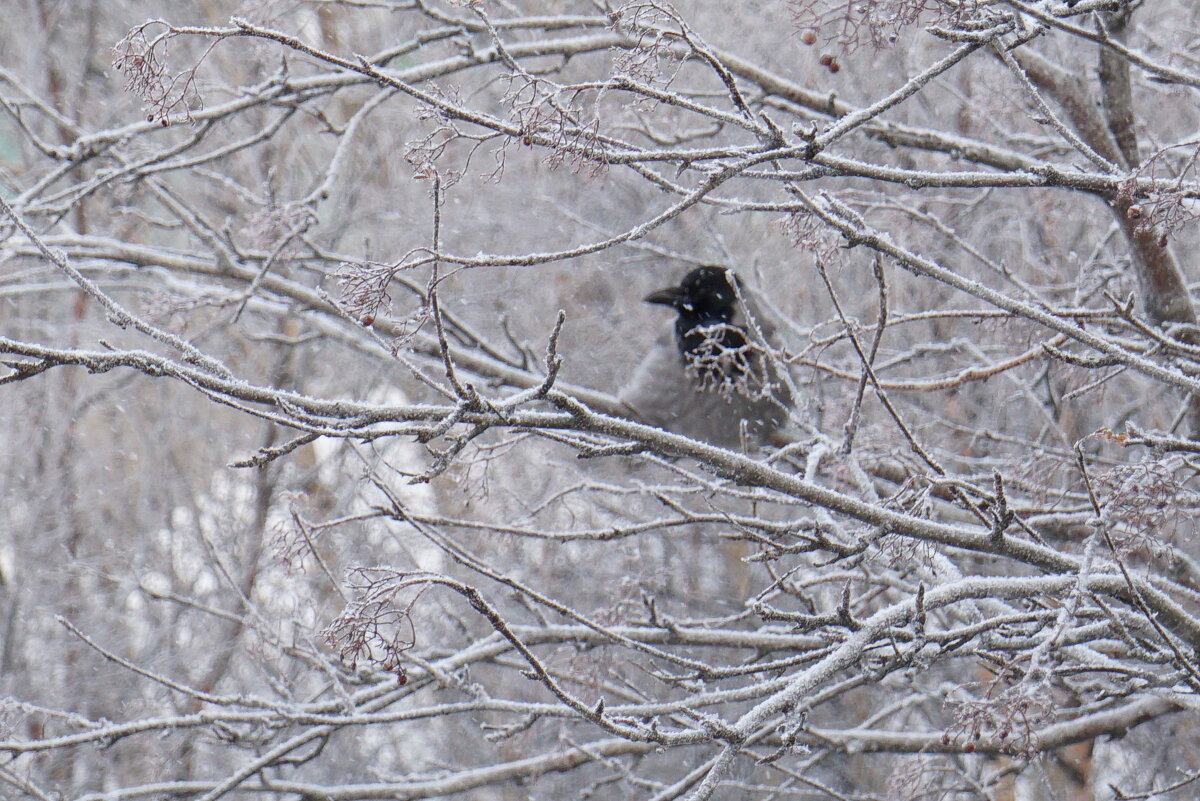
x=667, y=297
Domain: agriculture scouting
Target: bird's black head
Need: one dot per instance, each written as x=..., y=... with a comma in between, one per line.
x=705, y=298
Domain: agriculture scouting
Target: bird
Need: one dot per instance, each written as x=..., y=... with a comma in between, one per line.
x=712, y=378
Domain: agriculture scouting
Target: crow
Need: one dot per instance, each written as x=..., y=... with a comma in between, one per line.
x=715, y=379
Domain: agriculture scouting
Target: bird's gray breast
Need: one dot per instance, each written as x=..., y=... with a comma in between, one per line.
x=663, y=392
